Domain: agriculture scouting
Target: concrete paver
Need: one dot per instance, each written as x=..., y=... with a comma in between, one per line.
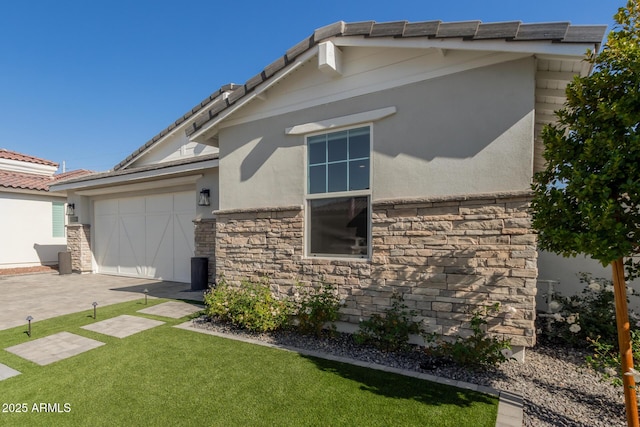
x=172, y=309
x=45, y=296
x=123, y=326
x=7, y=372
x=52, y=348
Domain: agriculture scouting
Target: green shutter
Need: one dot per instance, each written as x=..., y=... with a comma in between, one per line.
x=58, y=219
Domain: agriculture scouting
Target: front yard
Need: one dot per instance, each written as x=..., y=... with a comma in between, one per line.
x=170, y=376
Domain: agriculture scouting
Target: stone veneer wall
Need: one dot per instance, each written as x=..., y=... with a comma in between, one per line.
x=79, y=244
x=205, y=244
x=445, y=255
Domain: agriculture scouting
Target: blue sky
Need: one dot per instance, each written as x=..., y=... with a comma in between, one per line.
x=88, y=82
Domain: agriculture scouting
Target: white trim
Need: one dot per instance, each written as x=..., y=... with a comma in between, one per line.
x=329, y=59
x=338, y=194
x=350, y=120
x=153, y=174
x=141, y=186
x=24, y=166
x=547, y=47
x=300, y=60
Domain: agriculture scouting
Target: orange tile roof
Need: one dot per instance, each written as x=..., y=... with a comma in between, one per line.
x=30, y=181
x=12, y=155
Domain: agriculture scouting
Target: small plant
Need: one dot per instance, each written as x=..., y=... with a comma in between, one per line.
x=579, y=320
x=476, y=351
x=316, y=308
x=251, y=306
x=389, y=332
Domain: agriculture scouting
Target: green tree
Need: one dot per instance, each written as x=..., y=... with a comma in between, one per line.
x=587, y=200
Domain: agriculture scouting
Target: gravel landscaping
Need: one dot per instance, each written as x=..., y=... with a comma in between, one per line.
x=557, y=388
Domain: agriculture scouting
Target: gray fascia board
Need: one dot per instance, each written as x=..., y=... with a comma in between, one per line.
x=137, y=176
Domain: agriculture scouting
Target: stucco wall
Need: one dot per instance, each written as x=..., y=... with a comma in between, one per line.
x=26, y=229
x=470, y=132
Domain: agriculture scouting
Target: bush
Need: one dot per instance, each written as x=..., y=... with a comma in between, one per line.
x=579, y=320
x=606, y=357
x=389, y=332
x=317, y=307
x=476, y=351
x=251, y=306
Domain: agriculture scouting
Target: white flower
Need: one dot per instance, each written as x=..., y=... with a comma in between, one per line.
x=571, y=319
x=554, y=306
x=633, y=373
x=608, y=288
x=575, y=328
x=629, y=290
x=595, y=286
x=638, y=324
x=558, y=317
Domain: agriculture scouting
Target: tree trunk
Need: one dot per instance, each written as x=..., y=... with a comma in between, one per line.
x=624, y=341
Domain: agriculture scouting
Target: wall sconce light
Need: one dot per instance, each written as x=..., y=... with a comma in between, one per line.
x=71, y=209
x=204, y=197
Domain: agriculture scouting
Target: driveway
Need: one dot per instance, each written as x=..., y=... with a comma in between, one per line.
x=44, y=296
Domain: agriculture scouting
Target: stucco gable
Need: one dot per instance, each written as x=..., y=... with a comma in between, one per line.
x=484, y=36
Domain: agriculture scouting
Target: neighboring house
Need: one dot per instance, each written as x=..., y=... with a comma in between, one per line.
x=379, y=157
x=33, y=218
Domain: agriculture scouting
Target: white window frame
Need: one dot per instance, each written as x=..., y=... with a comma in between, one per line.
x=335, y=195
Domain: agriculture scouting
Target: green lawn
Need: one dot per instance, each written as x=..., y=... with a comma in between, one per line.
x=169, y=376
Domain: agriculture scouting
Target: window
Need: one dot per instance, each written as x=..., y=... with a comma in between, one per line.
x=57, y=210
x=338, y=193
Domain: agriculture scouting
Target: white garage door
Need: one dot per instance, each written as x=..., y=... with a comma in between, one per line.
x=149, y=236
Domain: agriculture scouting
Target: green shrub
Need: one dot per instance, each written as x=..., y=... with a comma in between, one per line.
x=475, y=351
x=606, y=357
x=316, y=307
x=251, y=306
x=578, y=320
x=389, y=332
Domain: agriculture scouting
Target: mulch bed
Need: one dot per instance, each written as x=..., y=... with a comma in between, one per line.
x=28, y=270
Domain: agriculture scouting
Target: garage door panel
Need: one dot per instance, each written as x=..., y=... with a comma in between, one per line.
x=106, y=237
x=135, y=205
x=162, y=203
x=183, y=245
x=132, y=245
x=149, y=236
x=160, y=246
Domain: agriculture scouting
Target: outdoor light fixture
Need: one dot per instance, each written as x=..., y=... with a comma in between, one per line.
x=71, y=209
x=94, y=304
x=146, y=291
x=29, y=319
x=204, y=197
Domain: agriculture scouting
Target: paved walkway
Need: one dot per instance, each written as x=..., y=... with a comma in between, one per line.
x=44, y=296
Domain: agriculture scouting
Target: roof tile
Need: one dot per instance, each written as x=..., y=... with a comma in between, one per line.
x=498, y=30
x=358, y=28
x=388, y=29
x=466, y=29
x=584, y=33
x=544, y=31
x=300, y=48
x=421, y=29
x=331, y=30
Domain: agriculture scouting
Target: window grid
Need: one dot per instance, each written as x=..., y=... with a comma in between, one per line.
x=348, y=160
